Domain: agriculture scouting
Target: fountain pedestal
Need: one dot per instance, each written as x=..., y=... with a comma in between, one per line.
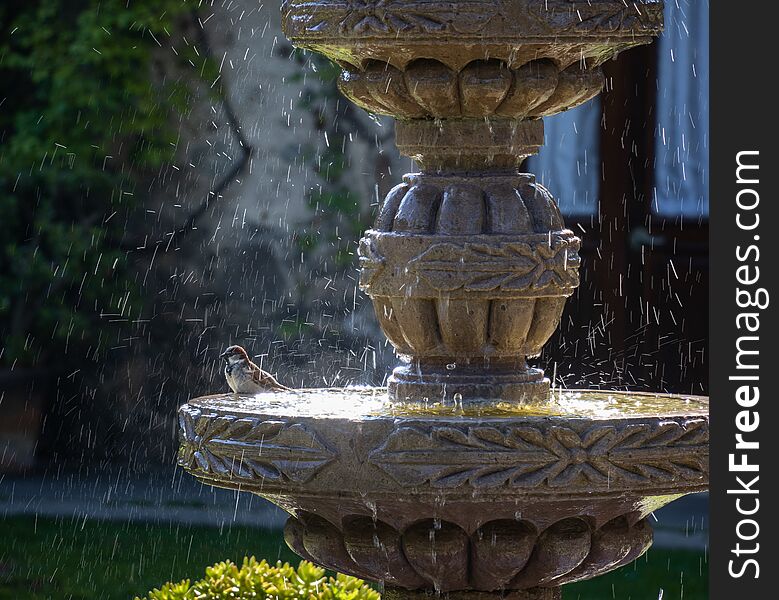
x=469, y=262
x=468, y=475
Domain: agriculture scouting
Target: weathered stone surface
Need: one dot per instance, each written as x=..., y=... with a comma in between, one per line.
x=471, y=266
x=468, y=275
x=483, y=381
x=501, y=501
x=428, y=88
x=437, y=554
x=486, y=143
x=557, y=456
x=251, y=449
x=401, y=31
x=468, y=82
x=261, y=448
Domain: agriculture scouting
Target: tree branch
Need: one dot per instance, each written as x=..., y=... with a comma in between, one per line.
x=235, y=169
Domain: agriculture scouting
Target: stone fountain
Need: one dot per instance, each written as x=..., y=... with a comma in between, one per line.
x=468, y=475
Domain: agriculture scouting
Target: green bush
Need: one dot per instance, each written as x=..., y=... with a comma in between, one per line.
x=83, y=121
x=258, y=579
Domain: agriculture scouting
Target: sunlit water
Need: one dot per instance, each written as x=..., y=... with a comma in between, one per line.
x=370, y=402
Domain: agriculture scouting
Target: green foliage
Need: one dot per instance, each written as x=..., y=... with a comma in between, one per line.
x=257, y=580
x=338, y=218
x=82, y=118
x=115, y=560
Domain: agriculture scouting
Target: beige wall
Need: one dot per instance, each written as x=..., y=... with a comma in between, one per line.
x=239, y=277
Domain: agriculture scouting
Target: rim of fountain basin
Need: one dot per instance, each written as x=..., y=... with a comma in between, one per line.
x=404, y=30
x=367, y=402
x=292, y=444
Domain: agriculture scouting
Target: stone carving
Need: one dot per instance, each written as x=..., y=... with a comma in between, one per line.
x=366, y=18
x=506, y=266
x=601, y=456
x=469, y=82
x=428, y=266
x=251, y=449
x=397, y=16
x=500, y=455
x=371, y=262
x=423, y=501
x=428, y=88
x=469, y=204
x=610, y=16
x=462, y=267
x=499, y=555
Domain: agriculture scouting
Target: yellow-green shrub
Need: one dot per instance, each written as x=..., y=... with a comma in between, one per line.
x=257, y=580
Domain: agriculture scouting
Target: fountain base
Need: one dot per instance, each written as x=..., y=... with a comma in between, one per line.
x=391, y=593
x=488, y=545
x=511, y=381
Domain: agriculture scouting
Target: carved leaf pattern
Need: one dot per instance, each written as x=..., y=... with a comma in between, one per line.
x=506, y=266
x=371, y=262
x=251, y=449
x=608, y=17
x=397, y=16
x=383, y=17
x=554, y=456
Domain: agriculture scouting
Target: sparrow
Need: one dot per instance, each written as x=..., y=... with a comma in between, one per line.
x=244, y=377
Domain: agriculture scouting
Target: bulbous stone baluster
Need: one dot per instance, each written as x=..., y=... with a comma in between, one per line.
x=468, y=277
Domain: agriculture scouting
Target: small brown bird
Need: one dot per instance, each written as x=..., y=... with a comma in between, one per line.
x=244, y=377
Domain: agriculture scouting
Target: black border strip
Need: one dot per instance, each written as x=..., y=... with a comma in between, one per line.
x=743, y=119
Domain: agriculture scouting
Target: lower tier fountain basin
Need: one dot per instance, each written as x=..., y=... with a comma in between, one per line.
x=499, y=497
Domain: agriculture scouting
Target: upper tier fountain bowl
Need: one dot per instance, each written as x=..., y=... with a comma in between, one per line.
x=467, y=475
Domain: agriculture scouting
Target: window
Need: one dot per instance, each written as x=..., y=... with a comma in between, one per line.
x=569, y=162
x=682, y=134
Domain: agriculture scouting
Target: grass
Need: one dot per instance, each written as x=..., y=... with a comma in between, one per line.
x=67, y=559
x=658, y=575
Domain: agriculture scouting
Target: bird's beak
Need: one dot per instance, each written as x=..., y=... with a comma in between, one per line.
x=224, y=355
